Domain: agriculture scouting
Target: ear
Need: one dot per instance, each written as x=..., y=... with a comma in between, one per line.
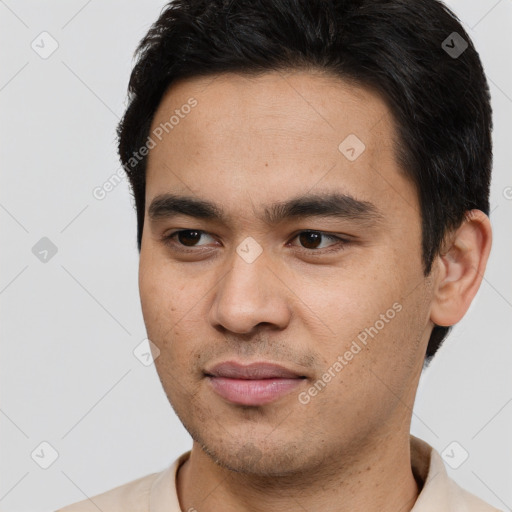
x=461, y=266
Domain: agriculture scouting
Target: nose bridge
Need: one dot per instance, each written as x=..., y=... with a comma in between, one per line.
x=248, y=295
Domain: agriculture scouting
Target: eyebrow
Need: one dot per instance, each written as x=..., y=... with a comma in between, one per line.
x=331, y=204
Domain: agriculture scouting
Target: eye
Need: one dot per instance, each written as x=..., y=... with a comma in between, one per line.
x=314, y=240
x=186, y=238
x=310, y=241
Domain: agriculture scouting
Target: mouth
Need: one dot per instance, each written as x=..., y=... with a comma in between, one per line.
x=255, y=384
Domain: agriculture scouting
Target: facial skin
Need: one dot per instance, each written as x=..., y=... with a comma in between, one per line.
x=249, y=143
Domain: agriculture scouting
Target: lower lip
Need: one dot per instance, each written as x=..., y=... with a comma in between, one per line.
x=253, y=392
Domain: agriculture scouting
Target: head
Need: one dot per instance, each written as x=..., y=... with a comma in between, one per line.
x=311, y=180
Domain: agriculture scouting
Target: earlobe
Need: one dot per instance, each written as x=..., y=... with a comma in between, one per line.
x=461, y=266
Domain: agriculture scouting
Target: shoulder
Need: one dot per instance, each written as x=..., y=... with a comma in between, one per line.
x=130, y=497
x=438, y=490
x=463, y=500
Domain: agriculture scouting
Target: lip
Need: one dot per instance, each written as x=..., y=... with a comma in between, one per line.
x=254, y=384
x=256, y=370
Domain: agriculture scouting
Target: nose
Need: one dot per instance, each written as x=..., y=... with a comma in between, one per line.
x=248, y=296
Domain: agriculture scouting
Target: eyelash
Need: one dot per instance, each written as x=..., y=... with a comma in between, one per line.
x=169, y=240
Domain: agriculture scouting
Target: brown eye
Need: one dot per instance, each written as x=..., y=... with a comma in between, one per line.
x=310, y=239
x=189, y=240
x=188, y=237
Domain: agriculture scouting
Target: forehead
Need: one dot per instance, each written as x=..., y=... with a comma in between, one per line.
x=271, y=135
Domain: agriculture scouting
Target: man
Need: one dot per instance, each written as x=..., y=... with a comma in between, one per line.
x=312, y=198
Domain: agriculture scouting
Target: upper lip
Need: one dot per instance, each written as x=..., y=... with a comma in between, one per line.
x=256, y=370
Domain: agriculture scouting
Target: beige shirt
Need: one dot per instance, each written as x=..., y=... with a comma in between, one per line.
x=157, y=492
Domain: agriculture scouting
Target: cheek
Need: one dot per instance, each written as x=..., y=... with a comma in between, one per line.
x=172, y=305
x=164, y=310
x=160, y=287
x=367, y=312
x=347, y=299
x=159, y=295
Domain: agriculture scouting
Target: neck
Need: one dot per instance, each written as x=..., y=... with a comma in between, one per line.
x=377, y=477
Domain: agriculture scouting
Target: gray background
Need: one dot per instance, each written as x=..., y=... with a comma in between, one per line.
x=69, y=325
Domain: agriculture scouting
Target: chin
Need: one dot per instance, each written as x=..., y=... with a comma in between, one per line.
x=262, y=459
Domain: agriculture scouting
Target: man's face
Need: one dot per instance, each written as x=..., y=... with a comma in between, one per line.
x=308, y=288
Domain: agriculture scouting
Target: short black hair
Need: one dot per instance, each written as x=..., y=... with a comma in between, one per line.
x=431, y=79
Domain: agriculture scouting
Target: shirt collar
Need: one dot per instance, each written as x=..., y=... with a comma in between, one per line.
x=437, y=491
